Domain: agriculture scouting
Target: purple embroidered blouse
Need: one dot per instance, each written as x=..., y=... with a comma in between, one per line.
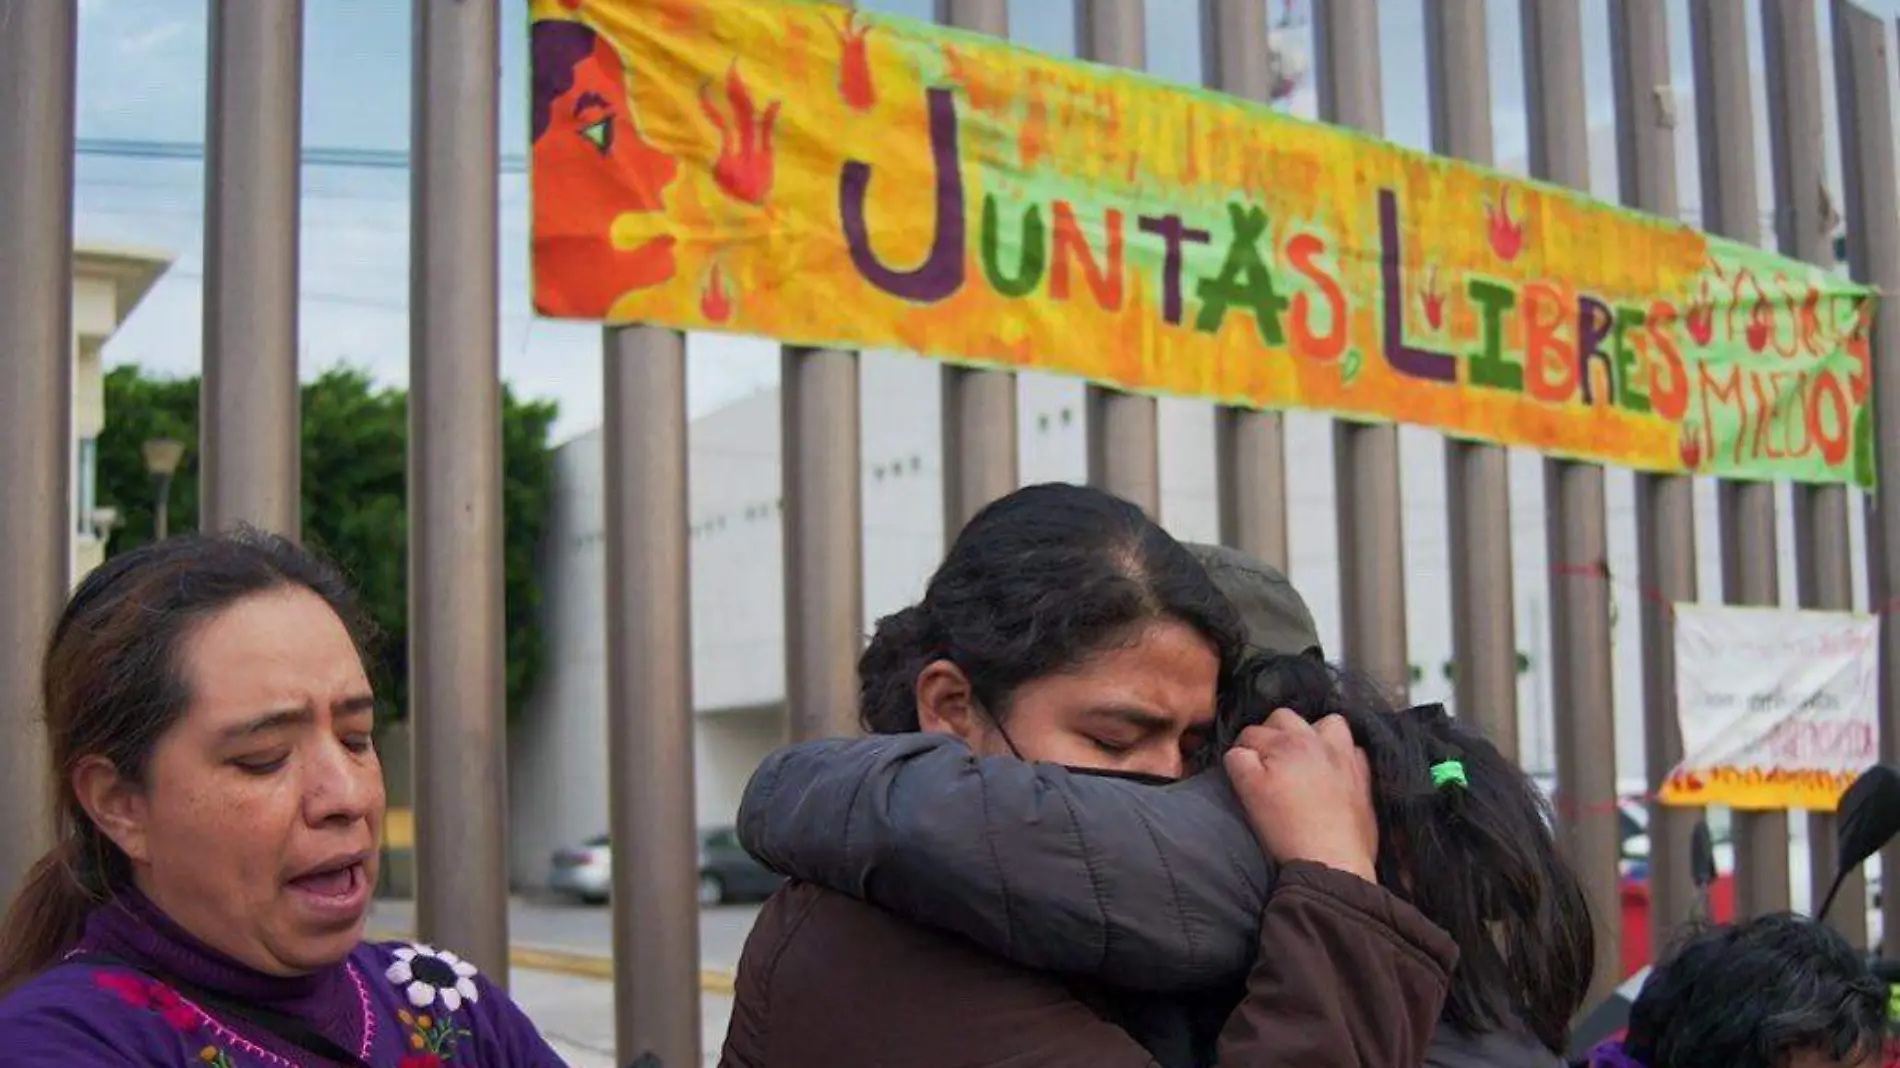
x=394, y=1005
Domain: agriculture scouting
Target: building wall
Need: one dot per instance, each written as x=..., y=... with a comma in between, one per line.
x=728, y=748
x=738, y=605
x=557, y=768
x=557, y=773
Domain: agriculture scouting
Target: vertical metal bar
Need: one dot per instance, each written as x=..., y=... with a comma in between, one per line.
x=1477, y=475
x=1249, y=445
x=1665, y=504
x=1365, y=455
x=1124, y=436
x=824, y=541
x=1576, y=529
x=979, y=442
x=1823, y=564
x=1725, y=125
x=251, y=446
x=979, y=407
x=1459, y=76
x=457, y=684
x=38, y=49
x=650, y=700
x=1862, y=57
x=1250, y=480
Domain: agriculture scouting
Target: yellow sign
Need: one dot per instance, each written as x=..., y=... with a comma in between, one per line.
x=1755, y=789
x=814, y=174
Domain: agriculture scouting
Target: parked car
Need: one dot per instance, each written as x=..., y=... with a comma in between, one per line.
x=726, y=871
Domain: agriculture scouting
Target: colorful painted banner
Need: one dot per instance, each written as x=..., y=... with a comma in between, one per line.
x=822, y=176
x=1779, y=708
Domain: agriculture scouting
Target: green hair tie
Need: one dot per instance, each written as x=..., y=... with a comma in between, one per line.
x=1449, y=773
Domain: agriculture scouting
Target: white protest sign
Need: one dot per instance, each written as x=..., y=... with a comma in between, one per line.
x=1778, y=707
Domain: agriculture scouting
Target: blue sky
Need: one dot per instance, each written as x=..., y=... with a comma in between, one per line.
x=142, y=79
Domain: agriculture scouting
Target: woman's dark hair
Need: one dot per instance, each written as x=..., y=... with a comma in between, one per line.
x=1038, y=582
x=558, y=47
x=113, y=682
x=1754, y=995
x=1480, y=859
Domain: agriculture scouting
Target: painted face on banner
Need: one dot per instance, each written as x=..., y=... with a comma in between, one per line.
x=592, y=169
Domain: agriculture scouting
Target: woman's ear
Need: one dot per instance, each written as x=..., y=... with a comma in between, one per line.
x=947, y=705
x=114, y=804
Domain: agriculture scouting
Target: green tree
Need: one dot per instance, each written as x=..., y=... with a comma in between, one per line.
x=355, y=492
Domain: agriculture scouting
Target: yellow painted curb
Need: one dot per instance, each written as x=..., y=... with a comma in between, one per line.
x=578, y=965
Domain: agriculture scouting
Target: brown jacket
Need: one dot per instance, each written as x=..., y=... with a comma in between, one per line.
x=1348, y=976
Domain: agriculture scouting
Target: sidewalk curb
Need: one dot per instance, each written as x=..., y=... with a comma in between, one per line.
x=569, y=963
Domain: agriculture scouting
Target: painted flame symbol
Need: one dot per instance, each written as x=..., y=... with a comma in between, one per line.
x=1761, y=319
x=1506, y=234
x=1689, y=446
x=983, y=94
x=1434, y=299
x=854, y=65
x=1701, y=320
x=715, y=303
x=744, y=169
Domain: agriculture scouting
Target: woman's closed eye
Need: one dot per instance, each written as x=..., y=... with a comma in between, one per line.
x=273, y=761
x=262, y=763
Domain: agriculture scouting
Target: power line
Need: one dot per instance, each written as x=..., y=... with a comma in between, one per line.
x=389, y=159
x=378, y=159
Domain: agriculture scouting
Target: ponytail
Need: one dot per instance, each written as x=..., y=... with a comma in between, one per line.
x=1474, y=853
x=49, y=913
x=1499, y=886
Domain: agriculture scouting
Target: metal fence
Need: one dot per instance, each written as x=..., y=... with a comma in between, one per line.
x=250, y=445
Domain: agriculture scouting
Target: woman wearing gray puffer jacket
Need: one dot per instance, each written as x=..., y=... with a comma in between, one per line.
x=1150, y=895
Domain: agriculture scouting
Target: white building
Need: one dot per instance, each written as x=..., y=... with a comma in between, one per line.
x=558, y=773
x=108, y=283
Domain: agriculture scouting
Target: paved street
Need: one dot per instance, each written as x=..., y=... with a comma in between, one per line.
x=573, y=1011
x=576, y=1016
x=568, y=927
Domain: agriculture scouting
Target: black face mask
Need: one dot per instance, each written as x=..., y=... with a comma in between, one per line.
x=1142, y=777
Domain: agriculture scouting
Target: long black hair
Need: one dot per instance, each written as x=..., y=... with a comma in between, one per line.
x=1473, y=849
x=1037, y=582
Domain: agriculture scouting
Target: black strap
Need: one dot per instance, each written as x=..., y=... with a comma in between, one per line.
x=284, y=1026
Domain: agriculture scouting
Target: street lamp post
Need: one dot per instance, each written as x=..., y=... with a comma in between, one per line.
x=162, y=457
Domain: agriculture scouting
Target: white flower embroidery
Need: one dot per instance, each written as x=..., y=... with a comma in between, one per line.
x=427, y=974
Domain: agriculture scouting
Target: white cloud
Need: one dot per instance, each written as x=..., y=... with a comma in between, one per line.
x=139, y=44
x=142, y=68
